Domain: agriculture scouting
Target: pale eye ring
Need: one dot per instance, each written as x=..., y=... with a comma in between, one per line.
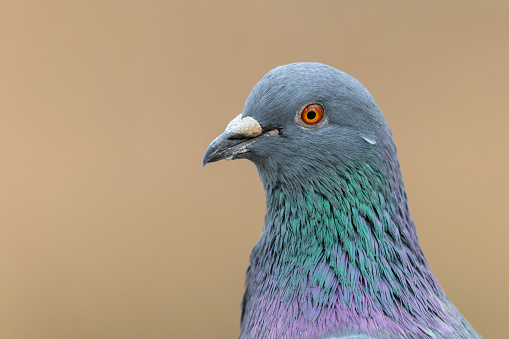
x=311, y=115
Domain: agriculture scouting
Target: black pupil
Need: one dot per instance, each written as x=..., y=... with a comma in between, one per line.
x=311, y=115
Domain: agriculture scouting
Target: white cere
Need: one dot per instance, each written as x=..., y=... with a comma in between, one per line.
x=245, y=126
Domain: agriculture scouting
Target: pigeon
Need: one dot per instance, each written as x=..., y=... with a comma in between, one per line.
x=338, y=256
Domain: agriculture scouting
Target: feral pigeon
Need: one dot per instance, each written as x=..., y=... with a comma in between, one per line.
x=338, y=256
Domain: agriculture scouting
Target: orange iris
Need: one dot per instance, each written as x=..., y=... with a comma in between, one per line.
x=312, y=114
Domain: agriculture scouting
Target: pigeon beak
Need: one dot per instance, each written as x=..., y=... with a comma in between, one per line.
x=238, y=135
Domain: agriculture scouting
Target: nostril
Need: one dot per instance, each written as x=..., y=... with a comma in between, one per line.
x=237, y=136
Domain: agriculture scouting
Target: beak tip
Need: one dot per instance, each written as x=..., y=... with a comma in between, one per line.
x=205, y=160
x=209, y=153
x=224, y=147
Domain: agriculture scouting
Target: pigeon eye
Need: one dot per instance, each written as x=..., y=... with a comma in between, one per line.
x=312, y=114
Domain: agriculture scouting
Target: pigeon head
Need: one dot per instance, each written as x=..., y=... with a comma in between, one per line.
x=339, y=253
x=304, y=118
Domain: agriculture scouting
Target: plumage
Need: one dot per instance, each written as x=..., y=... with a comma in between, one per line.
x=339, y=255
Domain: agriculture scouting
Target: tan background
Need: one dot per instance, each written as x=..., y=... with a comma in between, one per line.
x=110, y=227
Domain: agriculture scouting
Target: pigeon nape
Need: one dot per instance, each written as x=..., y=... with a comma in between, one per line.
x=339, y=255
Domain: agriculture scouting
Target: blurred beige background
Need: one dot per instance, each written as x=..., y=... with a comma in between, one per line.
x=110, y=227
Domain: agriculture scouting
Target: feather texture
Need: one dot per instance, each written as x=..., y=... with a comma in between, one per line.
x=339, y=255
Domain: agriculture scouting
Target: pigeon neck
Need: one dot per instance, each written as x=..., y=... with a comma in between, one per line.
x=340, y=253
